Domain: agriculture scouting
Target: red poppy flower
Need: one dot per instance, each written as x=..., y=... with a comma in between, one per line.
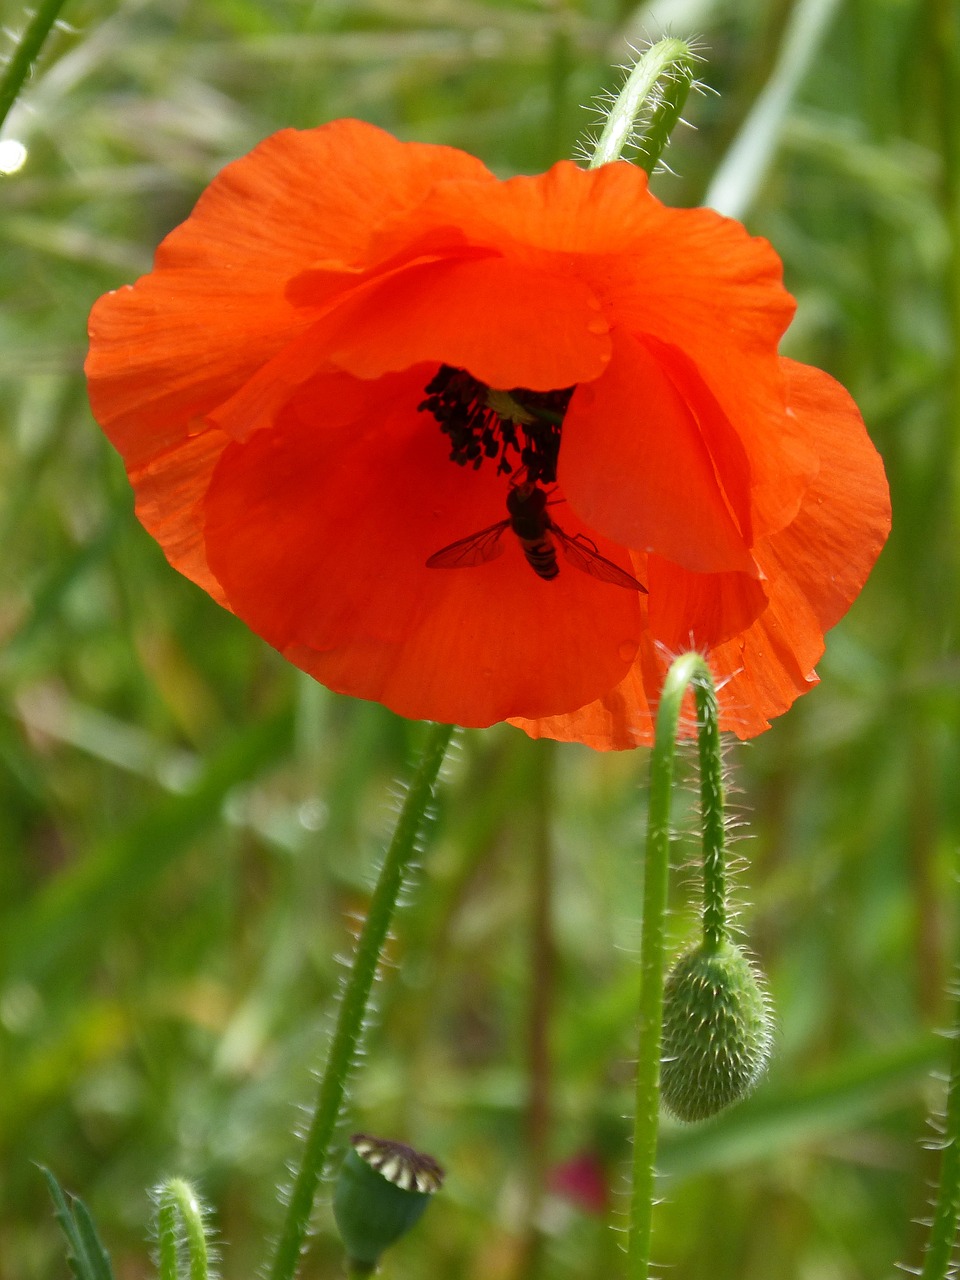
x=356, y=351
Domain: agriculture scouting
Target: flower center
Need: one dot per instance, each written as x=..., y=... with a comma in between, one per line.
x=520, y=428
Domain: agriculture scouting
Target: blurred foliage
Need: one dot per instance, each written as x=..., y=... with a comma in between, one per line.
x=187, y=825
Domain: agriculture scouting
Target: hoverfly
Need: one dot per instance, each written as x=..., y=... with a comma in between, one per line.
x=539, y=536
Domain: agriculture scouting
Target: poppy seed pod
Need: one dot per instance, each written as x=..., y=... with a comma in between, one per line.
x=716, y=1032
x=381, y=1192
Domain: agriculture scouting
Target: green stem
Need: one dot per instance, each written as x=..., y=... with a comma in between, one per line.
x=542, y=977
x=942, y=20
x=712, y=817
x=649, y=105
x=688, y=668
x=180, y=1222
x=354, y=1005
x=24, y=55
x=943, y=1230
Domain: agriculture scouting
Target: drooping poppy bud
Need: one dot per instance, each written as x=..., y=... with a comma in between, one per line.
x=381, y=1192
x=717, y=1032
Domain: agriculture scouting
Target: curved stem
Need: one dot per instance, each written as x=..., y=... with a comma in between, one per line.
x=354, y=1005
x=23, y=57
x=649, y=105
x=689, y=668
x=180, y=1221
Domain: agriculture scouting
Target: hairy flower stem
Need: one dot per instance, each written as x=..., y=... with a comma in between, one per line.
x=25, y=54
x=179, y=1228
x=354, y=1005
x=943, y=1229
x=649, y=105
x=538, y=1117
x=689, y=668
x=714, y=921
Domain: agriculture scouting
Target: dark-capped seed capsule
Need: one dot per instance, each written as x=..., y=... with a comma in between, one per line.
x=382, y=1190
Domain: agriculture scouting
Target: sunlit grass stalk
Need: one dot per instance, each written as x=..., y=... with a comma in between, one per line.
x=180, y=1230
x=943, y=23
x=25, y=53
x=649, y=105
x=354, y=1005
x=689, y=668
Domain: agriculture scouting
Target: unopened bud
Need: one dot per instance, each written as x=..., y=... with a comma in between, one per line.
x=717, y=1032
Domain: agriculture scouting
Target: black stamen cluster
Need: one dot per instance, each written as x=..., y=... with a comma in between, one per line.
x=476, y=431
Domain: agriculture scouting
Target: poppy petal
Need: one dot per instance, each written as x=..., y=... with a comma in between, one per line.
x=171, y=488
x=335, y=575
x=756, y=676
x=830, y=548
x=701, y=286
x=619, y=721
x=813, y=570
x=507, y=323
x=167, y=350
x=699, y=610
x=686, y=278
x=170, y=492
x=634, y=464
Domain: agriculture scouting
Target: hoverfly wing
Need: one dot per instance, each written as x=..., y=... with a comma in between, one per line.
x=588, y=559
x=475, y=549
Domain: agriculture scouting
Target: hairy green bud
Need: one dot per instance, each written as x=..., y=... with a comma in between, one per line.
x=717, y=1032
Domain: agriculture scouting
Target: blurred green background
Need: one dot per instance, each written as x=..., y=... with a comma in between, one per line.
x=187, y=825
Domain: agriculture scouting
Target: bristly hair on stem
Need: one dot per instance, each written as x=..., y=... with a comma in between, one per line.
x=711, y=1017
x=939, y=1261
x=181, y=1225
x=642, y=116
x=354, y=1008
x=736, y=828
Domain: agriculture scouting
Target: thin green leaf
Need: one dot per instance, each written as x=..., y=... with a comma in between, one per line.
x=97, y=1260
x=86, y=1255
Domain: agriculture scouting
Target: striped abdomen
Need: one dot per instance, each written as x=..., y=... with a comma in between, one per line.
x=541, y=556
